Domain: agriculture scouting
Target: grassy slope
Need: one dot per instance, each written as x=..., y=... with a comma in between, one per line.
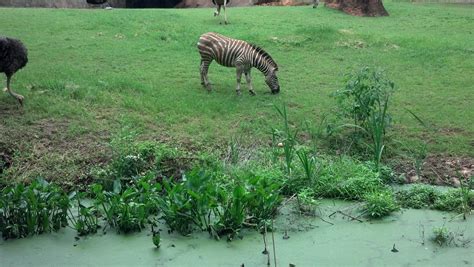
x=95, y=71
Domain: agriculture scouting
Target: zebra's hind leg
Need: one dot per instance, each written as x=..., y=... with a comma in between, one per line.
x=239, y=77
x=204, y=68
x=249, y=82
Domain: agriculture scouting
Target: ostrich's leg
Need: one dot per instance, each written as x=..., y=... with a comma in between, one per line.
x=225, y=12
x=218, y=11
x=15, y=95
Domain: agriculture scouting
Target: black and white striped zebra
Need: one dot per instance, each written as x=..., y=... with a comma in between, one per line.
x=219, y=4
x=243, y=56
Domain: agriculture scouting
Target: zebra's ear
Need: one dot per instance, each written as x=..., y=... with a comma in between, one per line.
x=276, y=69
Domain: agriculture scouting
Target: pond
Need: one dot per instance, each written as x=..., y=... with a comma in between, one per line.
x=338, y=240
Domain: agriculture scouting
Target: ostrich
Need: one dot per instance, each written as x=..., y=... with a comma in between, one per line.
x=219, y=4
x=13, y=56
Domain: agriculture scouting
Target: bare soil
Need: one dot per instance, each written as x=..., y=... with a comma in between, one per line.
x=47, y=148
x=438, y=170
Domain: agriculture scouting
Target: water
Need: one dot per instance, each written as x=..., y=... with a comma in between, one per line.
x=312, y=242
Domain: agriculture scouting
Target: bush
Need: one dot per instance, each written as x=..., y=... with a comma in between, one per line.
x=455, y=200
x=346, y=179
x=380, y=204
x=418, y=197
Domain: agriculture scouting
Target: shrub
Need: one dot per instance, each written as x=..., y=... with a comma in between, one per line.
x=380, y=203
x=365, y=101
x=418, y=197
x=455, y=200
x=346, y=179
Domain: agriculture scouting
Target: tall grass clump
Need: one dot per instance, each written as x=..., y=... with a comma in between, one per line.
x=346, y=178
x=364, y=102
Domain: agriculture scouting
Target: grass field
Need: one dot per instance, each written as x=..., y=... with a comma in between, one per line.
x=93, y=73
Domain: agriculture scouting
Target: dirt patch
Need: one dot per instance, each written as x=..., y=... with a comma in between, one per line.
x=51, y=149
x=438, y=170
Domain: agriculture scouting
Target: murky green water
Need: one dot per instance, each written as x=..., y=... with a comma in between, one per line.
x=312, y=242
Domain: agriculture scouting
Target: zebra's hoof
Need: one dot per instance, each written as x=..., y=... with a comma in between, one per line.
x=252, y=93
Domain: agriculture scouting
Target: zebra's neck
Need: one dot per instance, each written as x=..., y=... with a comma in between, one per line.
x=262, y=61
x=261, y=64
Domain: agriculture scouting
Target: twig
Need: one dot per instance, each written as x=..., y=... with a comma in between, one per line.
x=347, y=215
x=273, y=242
x=320, y=217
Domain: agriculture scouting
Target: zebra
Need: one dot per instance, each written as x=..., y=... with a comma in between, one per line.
x=243, y=56
x=219, y=4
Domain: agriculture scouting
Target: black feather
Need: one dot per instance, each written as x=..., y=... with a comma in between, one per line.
x=220, y=2
x=13, y=55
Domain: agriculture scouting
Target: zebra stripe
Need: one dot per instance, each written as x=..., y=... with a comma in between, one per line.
x=243, y=56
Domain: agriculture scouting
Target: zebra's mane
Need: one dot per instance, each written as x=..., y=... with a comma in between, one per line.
x=265, y=55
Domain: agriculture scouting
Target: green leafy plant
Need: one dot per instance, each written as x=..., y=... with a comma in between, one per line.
x=264, y=197
x=307, y=202
x=289, y=139
x=308, y=163
x=34, y=209
x=176, y=208
x=346, y=178
x=365, y=100
x=380, y=203
x=442, y=236
x=86, y=221
x=418, y=197
x=232, y=212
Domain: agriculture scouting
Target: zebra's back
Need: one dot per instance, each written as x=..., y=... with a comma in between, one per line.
x=222, y=49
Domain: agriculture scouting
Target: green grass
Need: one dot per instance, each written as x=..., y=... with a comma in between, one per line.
x=92, y=72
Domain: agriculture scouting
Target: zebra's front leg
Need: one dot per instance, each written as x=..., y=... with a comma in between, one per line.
x=249, y=82
x=239, y=77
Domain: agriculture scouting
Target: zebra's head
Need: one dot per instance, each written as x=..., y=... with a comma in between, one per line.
x=272, y=81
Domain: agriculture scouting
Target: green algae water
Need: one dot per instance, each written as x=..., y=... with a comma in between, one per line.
x=340, y=240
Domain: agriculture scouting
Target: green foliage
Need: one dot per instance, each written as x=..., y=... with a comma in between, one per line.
x=442, y=236
x=424, y=196
x=364, y=100
x=264, y=197
x=231, y=212
x=459, y=200
x=306, y=200
x=380, y=203
x=308, y=163
x=34, y=209
x=156, y=237
x=418, y=197
x=86, y=221
x=346, y=178
x=288, y=138
x=365, y=94
x=130, y=209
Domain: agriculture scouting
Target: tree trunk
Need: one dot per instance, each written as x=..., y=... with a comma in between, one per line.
x=370, y=8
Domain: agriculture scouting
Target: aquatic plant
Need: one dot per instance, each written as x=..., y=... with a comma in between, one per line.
x=33, y=209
